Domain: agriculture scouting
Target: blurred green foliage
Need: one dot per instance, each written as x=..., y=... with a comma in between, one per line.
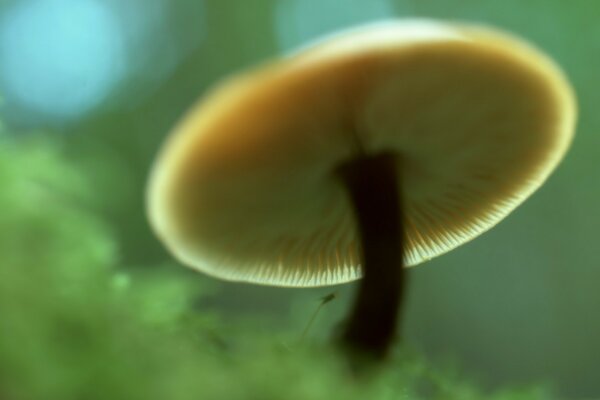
x=75, y=324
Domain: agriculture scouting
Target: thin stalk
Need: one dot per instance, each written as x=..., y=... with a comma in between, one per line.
x=372, y=185
x=324, y=300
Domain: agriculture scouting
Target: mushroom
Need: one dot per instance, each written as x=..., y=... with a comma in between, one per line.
x=368, y=151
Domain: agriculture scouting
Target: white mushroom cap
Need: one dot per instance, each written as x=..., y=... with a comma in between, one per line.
x=246, y=189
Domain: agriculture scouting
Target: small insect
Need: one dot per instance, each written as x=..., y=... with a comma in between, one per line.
x=324, y=300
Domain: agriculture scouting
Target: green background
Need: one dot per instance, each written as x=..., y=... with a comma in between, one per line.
x=518, y=304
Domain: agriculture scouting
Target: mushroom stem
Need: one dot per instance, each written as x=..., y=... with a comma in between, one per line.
x=372, y=184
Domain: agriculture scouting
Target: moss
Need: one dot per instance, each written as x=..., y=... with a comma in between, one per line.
x=76, y=325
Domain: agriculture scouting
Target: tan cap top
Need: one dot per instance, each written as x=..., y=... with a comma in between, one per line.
x=245, y=188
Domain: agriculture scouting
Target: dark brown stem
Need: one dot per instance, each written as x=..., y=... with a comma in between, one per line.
x=372, y=184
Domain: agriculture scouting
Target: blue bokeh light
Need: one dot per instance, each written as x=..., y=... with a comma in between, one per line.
x=59, y=57
x=158, y=36
x=298, y=21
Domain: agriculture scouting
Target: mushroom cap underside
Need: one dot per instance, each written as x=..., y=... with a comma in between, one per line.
x=245, y=187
